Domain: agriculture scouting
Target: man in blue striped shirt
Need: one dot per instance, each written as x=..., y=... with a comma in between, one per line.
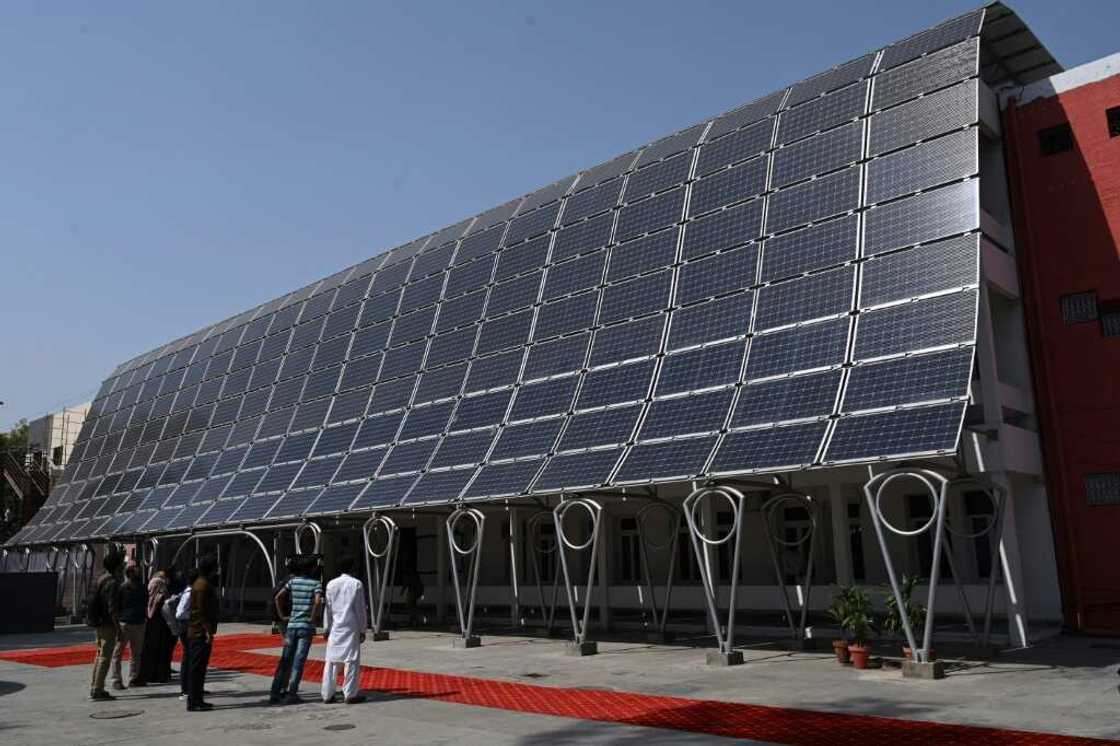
x=304, y=593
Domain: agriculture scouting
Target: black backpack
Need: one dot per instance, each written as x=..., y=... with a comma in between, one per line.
x=94, y=606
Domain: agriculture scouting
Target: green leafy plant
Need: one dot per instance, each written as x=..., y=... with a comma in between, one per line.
x=841, y=602
x=914, y=611
x=851, y=608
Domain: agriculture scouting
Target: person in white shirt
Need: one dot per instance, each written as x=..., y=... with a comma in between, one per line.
x=345, y=622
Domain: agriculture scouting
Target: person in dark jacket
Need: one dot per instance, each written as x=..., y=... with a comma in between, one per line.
x=183, y=619
x=201, y=628
x=104, y=618
x=159, y=642
x=133, y=617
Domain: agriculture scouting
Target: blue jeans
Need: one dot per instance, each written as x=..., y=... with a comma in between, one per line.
x=297, y=643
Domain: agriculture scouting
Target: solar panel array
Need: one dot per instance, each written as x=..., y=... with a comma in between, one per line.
x=790, y=285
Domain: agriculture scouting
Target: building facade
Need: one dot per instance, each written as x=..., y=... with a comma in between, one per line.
x=1063, y=142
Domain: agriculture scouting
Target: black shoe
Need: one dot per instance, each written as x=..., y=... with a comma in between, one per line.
x=331, y=701
x=200, y=707
x=356, y=700
x=274, y=700
x=293, y=699
x=101, y=696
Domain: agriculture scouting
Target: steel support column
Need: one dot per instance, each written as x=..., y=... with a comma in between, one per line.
x=579, y=644
x=472, y=556
x=380, y=567
x=541, y=553
x=798, y=629
x=659, y=612
x=937, y=487
x=702, y=545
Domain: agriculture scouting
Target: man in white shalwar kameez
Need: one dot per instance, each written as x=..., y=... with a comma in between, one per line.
x=345, y=621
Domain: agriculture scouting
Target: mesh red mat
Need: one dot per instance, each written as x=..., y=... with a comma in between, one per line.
x=733, y=719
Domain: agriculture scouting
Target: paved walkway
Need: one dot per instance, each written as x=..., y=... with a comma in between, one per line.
x=523, y=690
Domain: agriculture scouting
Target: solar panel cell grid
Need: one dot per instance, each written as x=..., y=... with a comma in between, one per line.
x=402, y=332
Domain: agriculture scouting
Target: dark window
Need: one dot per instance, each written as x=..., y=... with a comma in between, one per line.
x=630, y=558
x=981, y=513
x=855, y=539
x=1103, y=488
x=1054, y=140
x=1110, y=323
x=1113, y=115
x=1079, y=308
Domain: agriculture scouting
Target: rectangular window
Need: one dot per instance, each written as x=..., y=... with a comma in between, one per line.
x=630, y=552
x=1102, y=488
x=1110, y=323
x=1054, y=140
x=855, y=539
x=1079, y=308
x=1113, y=116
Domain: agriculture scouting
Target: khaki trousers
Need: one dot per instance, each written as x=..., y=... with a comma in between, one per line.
x=133, y=637
x=106, y=641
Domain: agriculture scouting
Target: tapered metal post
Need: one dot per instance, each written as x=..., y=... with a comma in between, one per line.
x=937, y=486
x=579, y=644
x=380, y=567
x=798, y=629
x=473, y=555
x=701, y=544
x=541, y=554
x=660, y=612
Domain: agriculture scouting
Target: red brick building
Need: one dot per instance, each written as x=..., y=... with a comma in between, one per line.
x=1062, y=137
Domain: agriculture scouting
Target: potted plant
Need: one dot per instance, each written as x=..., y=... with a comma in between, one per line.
x=914, y=611
x=859, y=623
x=838, y=611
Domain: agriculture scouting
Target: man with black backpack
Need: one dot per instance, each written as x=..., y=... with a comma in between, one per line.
x=102, y=613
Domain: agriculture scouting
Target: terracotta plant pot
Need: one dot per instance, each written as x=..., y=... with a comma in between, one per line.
x=909, y=654
x=840, y=647
x=860, y=654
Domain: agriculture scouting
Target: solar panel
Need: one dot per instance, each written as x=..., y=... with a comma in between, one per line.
x=706, y=280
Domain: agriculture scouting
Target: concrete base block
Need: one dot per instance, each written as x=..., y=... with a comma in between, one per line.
x=930, y=671
x=734, y=658
x=379, y=636
x=580, y=649
x=467, y=642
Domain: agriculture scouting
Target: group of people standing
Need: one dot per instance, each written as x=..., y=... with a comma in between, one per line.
x=149, y=619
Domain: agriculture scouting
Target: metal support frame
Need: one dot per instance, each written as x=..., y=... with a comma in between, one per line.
x=83, y=564
x=380, y=568
x=660, y=613
x=473, y=555
x=998, y=497
x=798, y=629
x=702, y=546
x=316, y=533
x=579, y=644
x=938, y=486
x=149, y=550
x=541, y=553
x=196, y=538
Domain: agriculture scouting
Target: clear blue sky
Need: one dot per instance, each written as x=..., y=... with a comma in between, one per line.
x=167, y=165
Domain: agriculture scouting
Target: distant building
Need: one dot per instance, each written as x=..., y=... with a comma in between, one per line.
x=54, y=434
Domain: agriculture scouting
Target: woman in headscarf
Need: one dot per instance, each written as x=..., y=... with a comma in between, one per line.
x=159, y=642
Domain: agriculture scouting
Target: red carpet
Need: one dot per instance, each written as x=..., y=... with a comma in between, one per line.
x=775, y=724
